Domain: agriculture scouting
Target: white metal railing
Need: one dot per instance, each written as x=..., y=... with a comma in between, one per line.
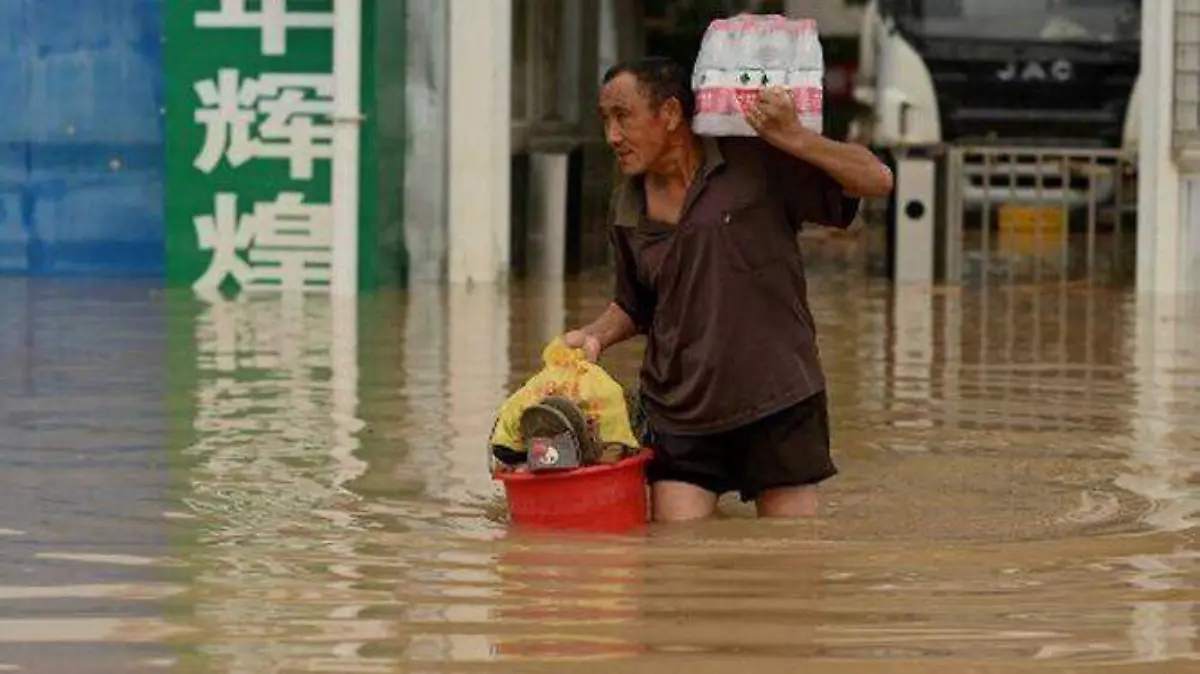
x=1024, y=215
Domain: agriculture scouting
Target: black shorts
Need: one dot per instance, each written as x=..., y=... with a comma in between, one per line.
x=789, y=448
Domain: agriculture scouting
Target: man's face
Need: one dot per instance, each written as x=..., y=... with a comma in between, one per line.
x=638, y=131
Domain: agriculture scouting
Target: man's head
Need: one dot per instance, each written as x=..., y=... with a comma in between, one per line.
x=647, y=107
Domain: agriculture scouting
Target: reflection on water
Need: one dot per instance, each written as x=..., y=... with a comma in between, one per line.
x=297, y=484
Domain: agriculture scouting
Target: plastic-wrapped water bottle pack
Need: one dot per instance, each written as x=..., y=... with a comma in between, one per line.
x=741, y=56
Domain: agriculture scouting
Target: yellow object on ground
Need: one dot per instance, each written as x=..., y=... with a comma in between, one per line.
x=567, y=373
x=1032, y=230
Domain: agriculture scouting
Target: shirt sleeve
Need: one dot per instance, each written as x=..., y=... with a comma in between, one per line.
x=810, y=194
x=634, y=298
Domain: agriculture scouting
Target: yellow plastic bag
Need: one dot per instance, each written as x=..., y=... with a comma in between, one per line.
x=567, y=373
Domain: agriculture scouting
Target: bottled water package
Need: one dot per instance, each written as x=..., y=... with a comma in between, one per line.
x=741, y=56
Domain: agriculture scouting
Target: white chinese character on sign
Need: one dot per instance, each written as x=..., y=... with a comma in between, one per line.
x=273, y=20
x=292, y=243
x=227, y=116
x=297, y=128
x=298, y=124
x=288, y=244
x=224, y=234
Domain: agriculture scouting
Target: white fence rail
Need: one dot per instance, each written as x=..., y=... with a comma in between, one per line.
x=982, y=215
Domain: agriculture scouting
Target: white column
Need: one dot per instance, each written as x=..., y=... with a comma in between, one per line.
x=916, y=201
x=479, y=113
x=425, y=178
x=547, y=240
x=347, y=76
x=1159, y=212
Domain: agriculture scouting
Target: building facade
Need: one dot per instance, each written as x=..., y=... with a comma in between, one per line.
x=417, y=140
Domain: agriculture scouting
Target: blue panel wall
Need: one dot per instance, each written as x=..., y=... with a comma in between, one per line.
x=81, y=137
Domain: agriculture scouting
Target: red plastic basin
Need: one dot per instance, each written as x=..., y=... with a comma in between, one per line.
x=603, y=499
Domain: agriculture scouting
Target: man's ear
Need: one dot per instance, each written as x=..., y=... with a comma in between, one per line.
x=673, y=111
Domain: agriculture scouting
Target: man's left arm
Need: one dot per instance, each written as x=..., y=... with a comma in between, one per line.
x=854, y=167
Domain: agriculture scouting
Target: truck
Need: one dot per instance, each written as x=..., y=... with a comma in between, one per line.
x=1039, y=75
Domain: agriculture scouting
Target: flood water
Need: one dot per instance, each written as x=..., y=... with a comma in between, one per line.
x=284, y=485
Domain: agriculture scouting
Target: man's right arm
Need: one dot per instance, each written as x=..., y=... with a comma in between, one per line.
x=629, y=312
x=612, y=327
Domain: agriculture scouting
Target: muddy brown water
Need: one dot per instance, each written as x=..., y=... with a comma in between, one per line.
x=277, y=485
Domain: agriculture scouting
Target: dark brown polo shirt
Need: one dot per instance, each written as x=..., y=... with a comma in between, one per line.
x=722, y=296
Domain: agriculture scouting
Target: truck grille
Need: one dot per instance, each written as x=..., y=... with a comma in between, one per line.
x=978, y=107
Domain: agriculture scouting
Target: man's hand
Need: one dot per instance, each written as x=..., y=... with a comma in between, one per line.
x=578, y=339
x=612, y=327
x=855, y=168
x=774, y=116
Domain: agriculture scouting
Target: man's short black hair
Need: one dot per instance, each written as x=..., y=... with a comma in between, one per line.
x=662, y=78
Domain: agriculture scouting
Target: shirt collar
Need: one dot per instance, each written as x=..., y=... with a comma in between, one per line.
x=630, y=197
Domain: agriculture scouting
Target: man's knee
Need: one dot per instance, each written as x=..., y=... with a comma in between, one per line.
x=681, y=502
x=788, y=502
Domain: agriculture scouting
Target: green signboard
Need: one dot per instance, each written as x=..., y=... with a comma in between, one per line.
x=250, y=140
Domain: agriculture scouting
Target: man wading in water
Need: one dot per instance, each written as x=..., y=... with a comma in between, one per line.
x=708, y=268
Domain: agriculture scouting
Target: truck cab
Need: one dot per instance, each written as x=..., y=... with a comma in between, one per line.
x=1002, y=73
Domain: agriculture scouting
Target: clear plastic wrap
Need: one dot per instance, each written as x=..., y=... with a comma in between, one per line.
x=742, y=56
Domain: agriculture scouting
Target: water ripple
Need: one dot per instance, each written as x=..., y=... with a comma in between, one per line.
x=292, y=484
